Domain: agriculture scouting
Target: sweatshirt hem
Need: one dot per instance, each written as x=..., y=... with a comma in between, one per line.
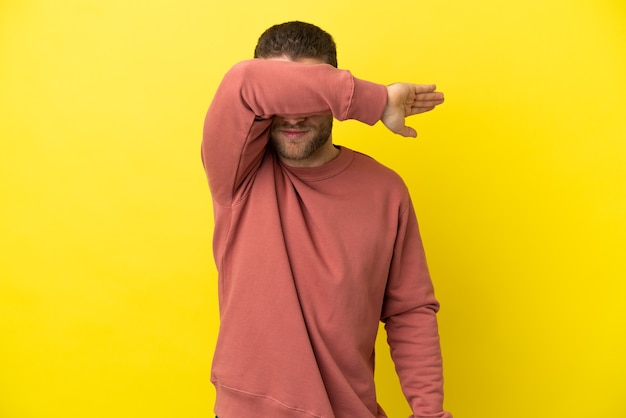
x=232, y=402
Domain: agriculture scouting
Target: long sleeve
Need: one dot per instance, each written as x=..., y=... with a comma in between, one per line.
x=409, y=314
x=237, y=124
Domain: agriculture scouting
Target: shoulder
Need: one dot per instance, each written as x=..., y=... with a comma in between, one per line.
x=381, y=181
x=375, y=171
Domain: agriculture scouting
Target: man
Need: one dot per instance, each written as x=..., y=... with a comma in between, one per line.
x=314, y=243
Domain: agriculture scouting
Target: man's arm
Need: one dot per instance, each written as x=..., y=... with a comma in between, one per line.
x=237, y=124
x=409, y=314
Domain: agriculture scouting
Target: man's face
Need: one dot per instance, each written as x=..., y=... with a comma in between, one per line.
x=298, y=139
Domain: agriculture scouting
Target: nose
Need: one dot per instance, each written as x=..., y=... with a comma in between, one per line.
x=292, y=120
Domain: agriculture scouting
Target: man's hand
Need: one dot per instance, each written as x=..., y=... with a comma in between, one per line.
x=405, y=99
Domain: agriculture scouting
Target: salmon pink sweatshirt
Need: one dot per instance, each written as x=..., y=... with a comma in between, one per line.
x=311, y=259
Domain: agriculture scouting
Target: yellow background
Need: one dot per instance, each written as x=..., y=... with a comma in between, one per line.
x=107, y=287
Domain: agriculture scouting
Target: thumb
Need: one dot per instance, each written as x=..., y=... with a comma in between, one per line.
x=408, y=132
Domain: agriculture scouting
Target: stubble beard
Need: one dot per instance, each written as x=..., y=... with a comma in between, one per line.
x=298, y=151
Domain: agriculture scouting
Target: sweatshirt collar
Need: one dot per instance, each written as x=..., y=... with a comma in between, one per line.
x=330, y=169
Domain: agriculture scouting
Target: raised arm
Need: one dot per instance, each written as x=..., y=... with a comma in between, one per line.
x=237, y=124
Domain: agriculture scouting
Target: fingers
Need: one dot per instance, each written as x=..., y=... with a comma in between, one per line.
x=428, y=99
x=424, y=88
x=424, y=102
x=430, y=96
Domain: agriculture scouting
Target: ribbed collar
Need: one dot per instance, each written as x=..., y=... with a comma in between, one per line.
x=330, y=169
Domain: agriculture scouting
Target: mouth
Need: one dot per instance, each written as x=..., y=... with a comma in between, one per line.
x=293, y=134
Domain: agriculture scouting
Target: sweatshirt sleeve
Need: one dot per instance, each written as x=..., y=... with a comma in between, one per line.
x=409, y=314
x=237, y=123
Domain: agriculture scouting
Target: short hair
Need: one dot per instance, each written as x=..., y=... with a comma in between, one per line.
x=297, y=40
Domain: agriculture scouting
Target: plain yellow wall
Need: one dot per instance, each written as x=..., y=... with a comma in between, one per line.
x=107, y=287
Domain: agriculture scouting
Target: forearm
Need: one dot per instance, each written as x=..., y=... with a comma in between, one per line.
x=414, y=342
x=273, y=87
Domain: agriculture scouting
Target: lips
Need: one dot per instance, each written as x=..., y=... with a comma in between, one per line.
x=293, y=133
